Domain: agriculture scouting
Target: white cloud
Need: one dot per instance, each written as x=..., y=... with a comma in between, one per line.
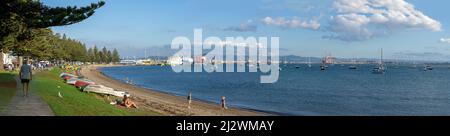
x=350, y=27
x=295, y=22
x=358, y=20
x=365, y=19
x=445, y=40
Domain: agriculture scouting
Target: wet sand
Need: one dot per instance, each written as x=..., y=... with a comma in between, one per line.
x=165, y=103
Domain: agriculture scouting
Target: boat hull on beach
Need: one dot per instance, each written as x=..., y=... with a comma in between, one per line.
x=62, y=75
x=67, y=77
x=165, y=103
x=72, y=81
x=82, y=83
x=100, y=89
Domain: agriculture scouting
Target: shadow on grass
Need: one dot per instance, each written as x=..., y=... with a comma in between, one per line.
x=7, y=88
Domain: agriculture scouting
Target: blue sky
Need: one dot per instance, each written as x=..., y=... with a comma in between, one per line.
x=306, y=27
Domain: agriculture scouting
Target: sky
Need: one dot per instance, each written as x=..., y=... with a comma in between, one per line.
x=405, y=29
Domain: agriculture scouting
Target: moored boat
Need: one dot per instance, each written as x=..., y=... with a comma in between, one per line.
x=322, y=67
x=427, y=67
x=380, y=69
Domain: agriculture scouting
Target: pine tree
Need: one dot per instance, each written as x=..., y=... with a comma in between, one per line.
x=96, y=55
x=115, y=56
x=90, y=55
x=21, y=18
x=104, y=55
x=109, y=56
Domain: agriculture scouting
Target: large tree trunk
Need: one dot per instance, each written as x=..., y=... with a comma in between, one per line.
x=19, y=61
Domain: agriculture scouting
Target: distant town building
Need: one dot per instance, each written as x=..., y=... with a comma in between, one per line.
x=199, y=59
x=174, y=61
x=146, y=62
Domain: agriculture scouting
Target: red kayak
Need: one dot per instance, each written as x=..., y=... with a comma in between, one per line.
x=67, y=78
x=81, y=83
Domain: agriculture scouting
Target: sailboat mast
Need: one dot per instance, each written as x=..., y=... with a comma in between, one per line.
x=382, y=63
x=145, y=53
x=381, y=59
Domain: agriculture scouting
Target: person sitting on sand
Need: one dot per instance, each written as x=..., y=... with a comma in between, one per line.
x=128, y=103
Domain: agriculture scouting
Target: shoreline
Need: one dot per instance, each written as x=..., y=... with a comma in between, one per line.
x=267, y=113
x=163, y=102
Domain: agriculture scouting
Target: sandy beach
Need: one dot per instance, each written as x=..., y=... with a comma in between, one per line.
x=164, y=103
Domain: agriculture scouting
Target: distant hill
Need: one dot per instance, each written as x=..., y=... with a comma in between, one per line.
x=302, y=59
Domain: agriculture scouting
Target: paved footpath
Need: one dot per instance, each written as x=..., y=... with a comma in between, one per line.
x=32, y=105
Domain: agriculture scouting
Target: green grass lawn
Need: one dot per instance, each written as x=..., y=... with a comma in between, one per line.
x=7, y=88
x=75, y=102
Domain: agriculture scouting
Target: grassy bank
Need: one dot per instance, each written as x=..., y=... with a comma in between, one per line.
x=74, y=102
x=7, y=88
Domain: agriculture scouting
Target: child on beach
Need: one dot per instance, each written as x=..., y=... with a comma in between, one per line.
x=189, y=99
x=222, y=103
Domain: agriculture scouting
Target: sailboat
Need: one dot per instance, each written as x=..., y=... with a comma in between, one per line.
x=309, y=62
x=353, y=66
x=323, y=66
x=380, y=68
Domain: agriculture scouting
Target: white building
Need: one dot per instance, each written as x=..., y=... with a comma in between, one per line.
x=128, y=62
x=175, y=61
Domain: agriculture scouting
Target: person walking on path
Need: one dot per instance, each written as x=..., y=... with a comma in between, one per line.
x=25, y=77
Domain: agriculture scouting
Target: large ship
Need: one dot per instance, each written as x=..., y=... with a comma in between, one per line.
x=327, y=60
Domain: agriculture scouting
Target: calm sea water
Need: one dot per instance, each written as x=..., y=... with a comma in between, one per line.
x=403, y=90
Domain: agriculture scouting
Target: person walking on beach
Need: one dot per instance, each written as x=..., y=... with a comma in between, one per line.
x=189, y=100
x=25, y=77
x=222, y=103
